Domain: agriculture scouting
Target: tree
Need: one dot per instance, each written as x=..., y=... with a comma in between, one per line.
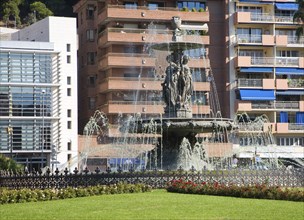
x=11, y=11
x=299, y=18
x=9, y=164
x=40, y=10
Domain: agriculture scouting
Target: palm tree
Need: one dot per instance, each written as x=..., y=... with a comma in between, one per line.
x=299, y=18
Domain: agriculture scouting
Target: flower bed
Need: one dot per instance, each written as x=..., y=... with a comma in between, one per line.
x=29, y=195
x=259, y=191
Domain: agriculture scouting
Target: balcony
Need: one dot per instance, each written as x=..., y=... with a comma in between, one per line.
x=248, y=39
x=280, y=19
x=284, y=41
x=268, y=105
x=248, y=17
x=247, y=61
x=118, y=12
x=123, y=83
x=142, y=84
x=286, y=128
x=285, y=84
x=256, y=83
x=144, y=107
x=127, y=35
x=277, y=105
x=124, y=60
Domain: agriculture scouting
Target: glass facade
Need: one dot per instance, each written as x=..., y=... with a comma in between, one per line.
x=26, y=94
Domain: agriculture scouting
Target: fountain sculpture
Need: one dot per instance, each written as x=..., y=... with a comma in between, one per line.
x=179, y=144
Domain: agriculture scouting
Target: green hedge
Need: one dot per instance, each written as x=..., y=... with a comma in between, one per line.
x=29, y=195
x=260, y=191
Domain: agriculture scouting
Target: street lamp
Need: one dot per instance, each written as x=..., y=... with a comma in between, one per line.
x=10, y=137
x=43, y=93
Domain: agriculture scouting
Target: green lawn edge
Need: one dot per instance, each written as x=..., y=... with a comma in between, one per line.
x=157, y=204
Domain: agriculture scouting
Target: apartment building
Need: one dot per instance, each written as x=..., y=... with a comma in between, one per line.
x=113, y=41
x=38, y=93
x=267, y=73
x=113, y=55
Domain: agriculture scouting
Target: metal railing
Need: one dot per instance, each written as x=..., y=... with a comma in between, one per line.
x=287, y=61
x=249, y=38
x=296, y=126
x=295, y=83
x=278, y=61
x=283, y=19
x=295, y=40
x=275, y=105
x=154, y=178
x=250, y=82
x=261, y=17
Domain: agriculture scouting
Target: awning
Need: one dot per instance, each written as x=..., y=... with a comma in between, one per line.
x=290, y=92
x=289, y=71
x=257, y=94
x=255, y=2
x=256, y=70
x=287, y=6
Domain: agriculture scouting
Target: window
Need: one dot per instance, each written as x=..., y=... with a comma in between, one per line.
x=287, y=53
x=251, y=53
x=90, y=35
x=92, y=81
x=130, y=5
x=251, y=9
x=191, y=5
x=69, y=80
x=91, y=58
x=69, y=145
x=69, y=113
x=92, y=103
x=69, y=157
x=90, y=11
x=155, y=5
x=69, y=92
x=68, y=59
x=68, y=47
x=69, y=125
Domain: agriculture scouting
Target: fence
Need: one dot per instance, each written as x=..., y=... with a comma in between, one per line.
x=154, y=178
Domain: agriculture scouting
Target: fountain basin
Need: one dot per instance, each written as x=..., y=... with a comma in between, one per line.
x=184, y=126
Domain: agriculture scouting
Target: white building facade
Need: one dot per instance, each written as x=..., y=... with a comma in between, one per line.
x=38, y=94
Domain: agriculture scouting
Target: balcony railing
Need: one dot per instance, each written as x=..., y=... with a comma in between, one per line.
x=283, y=19
x=295, y=40
x=250, y=82
x=278, y=61
x=261, y=17
x=275, y=105
x=140, y=8
x=295, y=83
x=266, y=17
x=113, y=102
x=248, y=38
x=296, y=127
x=287, y=61
x=262, y=60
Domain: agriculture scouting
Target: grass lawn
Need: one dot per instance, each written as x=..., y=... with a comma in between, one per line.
x=154, y=205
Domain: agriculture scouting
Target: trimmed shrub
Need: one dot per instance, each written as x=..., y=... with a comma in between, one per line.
x=29, y=195
x=259, y=191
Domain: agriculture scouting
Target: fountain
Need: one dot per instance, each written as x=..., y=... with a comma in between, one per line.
x=180, y=143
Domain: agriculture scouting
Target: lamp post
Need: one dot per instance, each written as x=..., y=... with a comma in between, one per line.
x=10, y=137
x=43, y=93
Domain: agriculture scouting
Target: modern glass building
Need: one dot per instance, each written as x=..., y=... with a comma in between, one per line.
x=28, y=87
x=38, y=94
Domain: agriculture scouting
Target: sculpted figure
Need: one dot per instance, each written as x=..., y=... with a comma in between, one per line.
x=185, y=84
x=170, y=84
